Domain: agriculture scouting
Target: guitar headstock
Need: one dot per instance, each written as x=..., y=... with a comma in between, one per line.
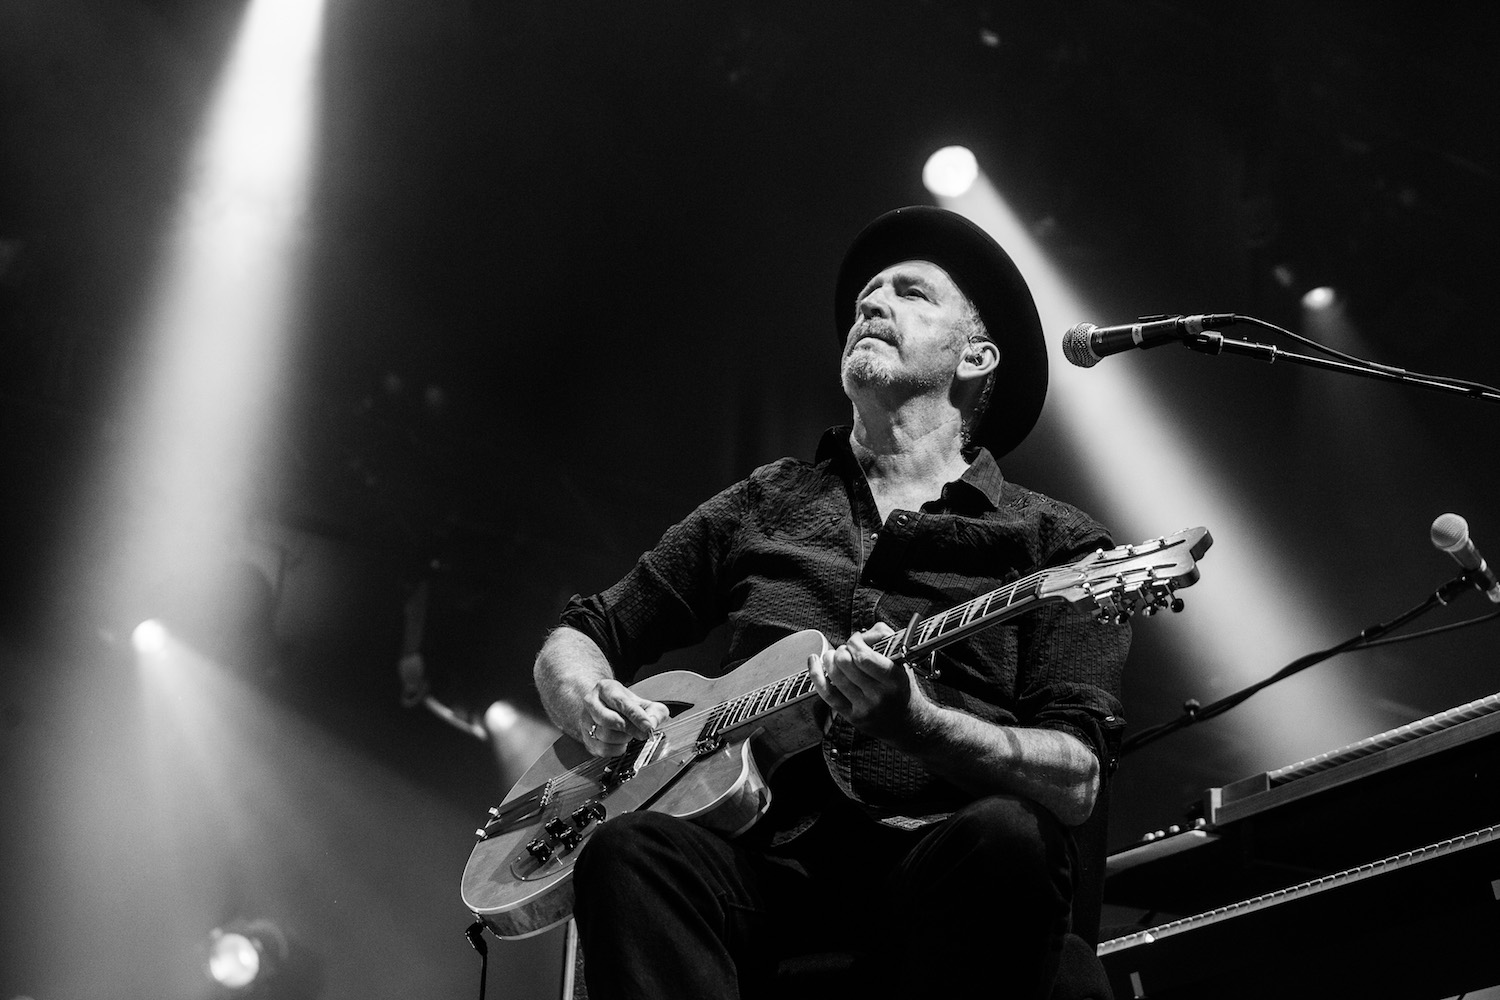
x=1128, y=578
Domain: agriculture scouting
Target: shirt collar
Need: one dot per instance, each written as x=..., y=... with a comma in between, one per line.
x=979, y=486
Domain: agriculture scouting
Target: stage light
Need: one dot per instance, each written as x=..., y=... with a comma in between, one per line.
x=501, y=717
x=245, y=953
x=950, y=172
x=1319, y=298
x=150, y=636
x=233, y=960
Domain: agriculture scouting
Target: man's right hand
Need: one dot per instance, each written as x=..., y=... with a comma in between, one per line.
x=613, y=715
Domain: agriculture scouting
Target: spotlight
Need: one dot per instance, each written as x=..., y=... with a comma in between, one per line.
x=950, y=172
x=1319, y=298
x=150, y=636
x=501, y=717
x=245, y=953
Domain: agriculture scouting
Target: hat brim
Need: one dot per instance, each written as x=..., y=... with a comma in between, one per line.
x=987, y=276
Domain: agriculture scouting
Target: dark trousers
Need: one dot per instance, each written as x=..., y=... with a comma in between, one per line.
x=980, y=902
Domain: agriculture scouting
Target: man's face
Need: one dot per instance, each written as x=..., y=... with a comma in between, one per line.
x=909, y=329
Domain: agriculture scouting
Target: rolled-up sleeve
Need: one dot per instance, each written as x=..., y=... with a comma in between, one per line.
x=1071, y=672
x=672, y=597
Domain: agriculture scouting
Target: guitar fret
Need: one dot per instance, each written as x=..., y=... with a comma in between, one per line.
x=711, y=727
x=790, y=688
x=948, y=619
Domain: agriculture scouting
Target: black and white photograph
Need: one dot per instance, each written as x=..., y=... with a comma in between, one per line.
x=543, y=500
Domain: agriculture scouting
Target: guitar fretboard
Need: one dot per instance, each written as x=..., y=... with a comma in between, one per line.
x=971, y=616
x=928, y=635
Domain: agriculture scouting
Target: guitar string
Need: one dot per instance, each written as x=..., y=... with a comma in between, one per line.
x=883, y=647
x=935, y=624
x=594, y=768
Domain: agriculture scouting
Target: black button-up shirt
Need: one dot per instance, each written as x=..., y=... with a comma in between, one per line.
x=799, y=545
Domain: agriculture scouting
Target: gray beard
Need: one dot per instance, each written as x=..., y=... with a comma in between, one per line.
x=868, y=370
x=862, y=369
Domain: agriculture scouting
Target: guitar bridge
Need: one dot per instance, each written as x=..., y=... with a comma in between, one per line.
x=638, y=754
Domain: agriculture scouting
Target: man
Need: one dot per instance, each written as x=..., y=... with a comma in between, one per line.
x=931, y=833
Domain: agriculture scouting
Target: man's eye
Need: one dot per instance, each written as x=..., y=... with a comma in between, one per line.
x=917, y=292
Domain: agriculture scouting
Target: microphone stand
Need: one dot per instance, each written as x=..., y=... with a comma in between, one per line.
x=1193, y=712
x=1210, y=342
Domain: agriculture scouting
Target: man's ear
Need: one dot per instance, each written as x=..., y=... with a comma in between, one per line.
x=980, y=358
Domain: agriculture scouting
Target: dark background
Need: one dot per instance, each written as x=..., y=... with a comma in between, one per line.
x=568, y=270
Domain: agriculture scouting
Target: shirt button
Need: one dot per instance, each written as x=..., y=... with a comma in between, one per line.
x=833, y=752
x=902, y=519
x=874, y=535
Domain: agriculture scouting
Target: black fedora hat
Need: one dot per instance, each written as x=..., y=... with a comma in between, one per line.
x=984, y=272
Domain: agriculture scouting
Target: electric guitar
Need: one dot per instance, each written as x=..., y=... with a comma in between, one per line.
x=699, y=765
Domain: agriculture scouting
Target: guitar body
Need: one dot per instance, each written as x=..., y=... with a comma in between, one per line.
x=721, y=786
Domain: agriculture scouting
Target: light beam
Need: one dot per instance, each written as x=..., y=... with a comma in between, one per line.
x=1248, y=616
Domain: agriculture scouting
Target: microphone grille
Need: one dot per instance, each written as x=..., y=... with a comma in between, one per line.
x=1449, y=532
x=1075, y=346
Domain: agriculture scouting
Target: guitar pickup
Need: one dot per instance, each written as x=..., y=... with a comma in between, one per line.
x=636, y=756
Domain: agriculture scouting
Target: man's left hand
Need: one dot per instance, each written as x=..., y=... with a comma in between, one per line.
x=879, y=697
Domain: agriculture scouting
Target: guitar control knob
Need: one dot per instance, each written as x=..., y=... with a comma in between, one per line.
x=541, y=850
x=571, y=839
x=555, y=827
x=591, y=811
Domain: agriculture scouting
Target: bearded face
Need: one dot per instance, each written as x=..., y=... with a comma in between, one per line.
x=909, y=333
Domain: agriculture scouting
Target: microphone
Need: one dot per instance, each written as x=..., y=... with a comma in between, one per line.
x=1451, y=534
x=1085, y=344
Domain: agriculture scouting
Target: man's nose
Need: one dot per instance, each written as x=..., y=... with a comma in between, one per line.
x=874, y=304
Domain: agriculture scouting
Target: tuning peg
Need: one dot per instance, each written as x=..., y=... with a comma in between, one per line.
x=1177, y=605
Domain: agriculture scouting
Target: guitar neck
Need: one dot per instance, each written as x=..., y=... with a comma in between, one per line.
x=927, y=636
x=931, y=634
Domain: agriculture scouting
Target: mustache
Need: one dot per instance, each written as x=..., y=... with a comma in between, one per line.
x=873, y=326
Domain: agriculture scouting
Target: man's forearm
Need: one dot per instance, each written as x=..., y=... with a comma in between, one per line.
x=1050, y=767
x=569, y=665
